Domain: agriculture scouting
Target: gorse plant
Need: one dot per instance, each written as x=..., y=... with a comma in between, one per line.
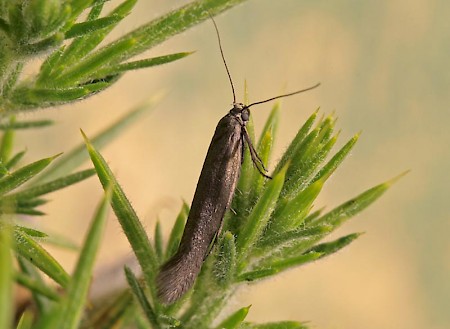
x=272, y=226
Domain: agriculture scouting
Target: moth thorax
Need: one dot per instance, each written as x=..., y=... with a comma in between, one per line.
x=241, y=110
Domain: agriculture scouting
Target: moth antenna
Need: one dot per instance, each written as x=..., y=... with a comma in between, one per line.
x=223, y=57
x=285, y=95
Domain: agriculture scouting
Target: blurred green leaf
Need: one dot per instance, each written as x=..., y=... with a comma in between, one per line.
x=30, y=203
x=6, y=277
x=26, y=320
x=235, y=320
x=111, y=313
x=12, y=76
x=14, y=160
x=36, y=286
x=77, y=156
x=27, y=211
x=31, y=232
x=25, y=124
x=142, y=299
x=72, y=306
x=41, y=302
x=275, y=325
x=6, y=145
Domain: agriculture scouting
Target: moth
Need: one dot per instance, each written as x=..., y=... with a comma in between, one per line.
x=213, y=195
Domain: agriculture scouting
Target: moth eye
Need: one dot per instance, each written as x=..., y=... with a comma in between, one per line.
x=245, y=115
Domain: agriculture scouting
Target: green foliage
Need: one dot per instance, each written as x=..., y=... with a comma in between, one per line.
x=78, y=66
x=273, y=227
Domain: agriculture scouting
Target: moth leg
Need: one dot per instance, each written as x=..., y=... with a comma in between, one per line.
x=254, y=155
x=213, y=242
x=242, y=147
x=211, y=246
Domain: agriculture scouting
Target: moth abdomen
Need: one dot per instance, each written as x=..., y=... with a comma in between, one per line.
x=177, y=276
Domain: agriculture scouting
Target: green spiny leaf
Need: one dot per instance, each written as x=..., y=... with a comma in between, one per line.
x=29, y=97
x=350, y=208
x=42, y=46
x=279, y=265
x=159, y=249
x=264, y=149
x=300, y=238
x=155, y=32
x=329, y=248
x=177, y=231
x=127, y=217
x=39, y=257
x=259, y=217
x=144, y=63
x=299, y=159
x=78, y=6
x=88, y=27
x=291, y=212
x=225, y=261
x=81, y=45
x=80, y=72
x=20, y=176
x=243, y=191
x=296, y=142
x=57, y=184
x=336, y=160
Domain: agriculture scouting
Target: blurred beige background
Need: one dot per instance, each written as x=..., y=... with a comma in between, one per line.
x=384, y=69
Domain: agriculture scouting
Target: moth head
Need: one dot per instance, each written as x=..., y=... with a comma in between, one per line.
x=241, y=110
